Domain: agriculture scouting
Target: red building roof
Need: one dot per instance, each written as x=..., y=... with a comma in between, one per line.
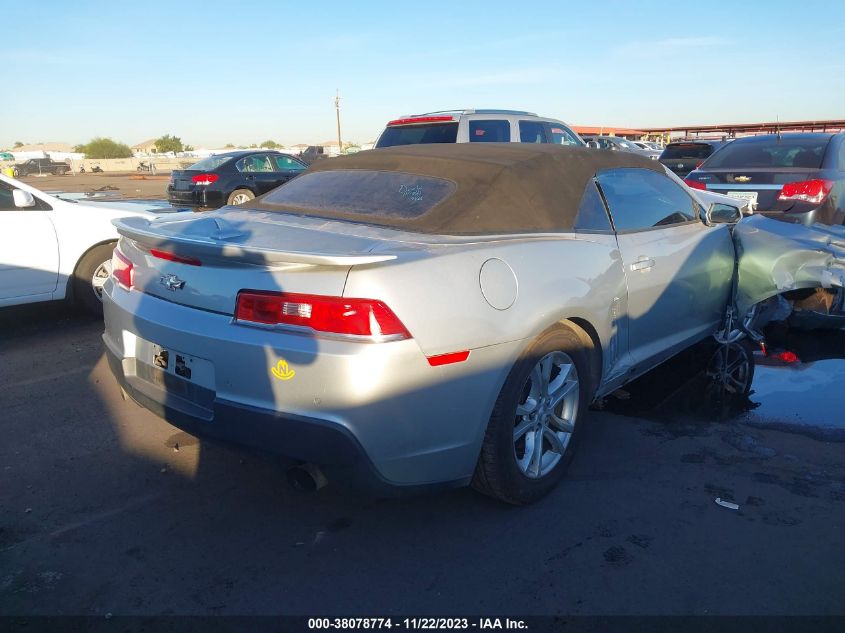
x=608, y=130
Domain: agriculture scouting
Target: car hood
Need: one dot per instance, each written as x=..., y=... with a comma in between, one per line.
x=134, y=207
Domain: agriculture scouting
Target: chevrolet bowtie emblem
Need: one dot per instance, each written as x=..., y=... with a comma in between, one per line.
x=171, y=282
x=741, y=179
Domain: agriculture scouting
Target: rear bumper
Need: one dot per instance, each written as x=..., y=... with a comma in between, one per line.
x=825, y=214
x=301, y=438
x=377, y=413
x=195, y=197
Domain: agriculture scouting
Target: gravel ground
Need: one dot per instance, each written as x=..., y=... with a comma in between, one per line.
x=128, y=185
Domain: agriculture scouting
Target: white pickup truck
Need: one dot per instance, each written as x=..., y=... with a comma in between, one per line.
x=52, y=248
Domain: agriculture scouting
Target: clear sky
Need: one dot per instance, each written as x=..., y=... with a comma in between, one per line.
x=243, y=72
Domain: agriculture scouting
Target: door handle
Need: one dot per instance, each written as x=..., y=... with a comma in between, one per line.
x=642, y=263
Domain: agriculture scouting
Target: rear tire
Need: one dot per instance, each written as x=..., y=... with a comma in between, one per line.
x=239, y=196
x=91, y=273
x=534, y=428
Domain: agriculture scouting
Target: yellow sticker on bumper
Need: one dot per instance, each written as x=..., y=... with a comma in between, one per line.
x=282, y=371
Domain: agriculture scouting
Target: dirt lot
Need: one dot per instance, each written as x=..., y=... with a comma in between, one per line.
x=107, y=509
x=128, y=185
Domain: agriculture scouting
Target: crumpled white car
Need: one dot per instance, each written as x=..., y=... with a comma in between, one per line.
x=52, y=248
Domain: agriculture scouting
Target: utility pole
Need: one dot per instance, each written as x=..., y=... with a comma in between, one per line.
x=337, y=112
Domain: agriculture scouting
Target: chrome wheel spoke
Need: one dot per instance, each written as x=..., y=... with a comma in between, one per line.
x=562, y=392
x=734, y=385
x=527, y=407
x=536, y=454
x=555, y=442
x=522, y=428
x=567, y=426
x=732, y=367
x=564, y=370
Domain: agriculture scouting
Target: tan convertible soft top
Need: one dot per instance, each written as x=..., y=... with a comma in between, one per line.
x=499, y=187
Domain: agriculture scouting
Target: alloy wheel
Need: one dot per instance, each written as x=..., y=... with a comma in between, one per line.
x=546, y=415
x=98, y=280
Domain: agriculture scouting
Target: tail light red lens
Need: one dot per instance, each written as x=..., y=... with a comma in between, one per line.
x=694, y=184
x=814, y=191
x=122, y=270
x=420, y=119
x=787, y=357
x=334, y=315
x=172, y=257
x=204, y=179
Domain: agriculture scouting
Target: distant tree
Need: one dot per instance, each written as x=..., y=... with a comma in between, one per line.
x=228, y=146
x=168, y=143
x=272, y=145
x=99, y=147
x=18, y=144
x=254, y=146
x=188, y=148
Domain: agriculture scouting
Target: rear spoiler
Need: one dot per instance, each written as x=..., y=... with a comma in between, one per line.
x=210, y=237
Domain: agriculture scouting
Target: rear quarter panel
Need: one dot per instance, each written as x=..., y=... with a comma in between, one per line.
x=436, y=290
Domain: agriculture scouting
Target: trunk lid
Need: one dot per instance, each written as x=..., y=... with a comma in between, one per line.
x=766, y=183
x=180, y=179
x=205, y=260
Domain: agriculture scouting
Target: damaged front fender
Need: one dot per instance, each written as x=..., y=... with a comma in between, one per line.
x=777, y=257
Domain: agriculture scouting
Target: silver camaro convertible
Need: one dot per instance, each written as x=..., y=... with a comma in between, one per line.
x=420, y=315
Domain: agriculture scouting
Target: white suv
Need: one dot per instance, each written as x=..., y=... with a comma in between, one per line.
x=477, y=126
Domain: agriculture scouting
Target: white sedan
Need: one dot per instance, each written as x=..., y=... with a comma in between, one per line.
x=53, y=249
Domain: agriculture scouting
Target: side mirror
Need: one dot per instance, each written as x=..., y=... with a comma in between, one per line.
x=719, y=213
x=592, y=144
x=23, y=199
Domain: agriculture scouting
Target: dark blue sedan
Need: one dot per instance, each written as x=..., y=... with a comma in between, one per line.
x=231, y=178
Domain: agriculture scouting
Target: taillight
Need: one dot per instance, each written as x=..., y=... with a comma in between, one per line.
x=420, y=119
x=172, y=257
x=204, y=179
x=334, y=315
x=122, y=270
x=814, y=191
x=787, y=357
x=694, y=184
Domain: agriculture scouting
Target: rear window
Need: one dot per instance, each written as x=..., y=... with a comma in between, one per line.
x=493, y=131
x=786, y=152
x=687, y=151
x=532, y=132
x=419, y=134
x=562, y=135
x=370, y=195
x=211, y=163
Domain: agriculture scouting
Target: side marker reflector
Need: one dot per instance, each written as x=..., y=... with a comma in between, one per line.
x=448, y=359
